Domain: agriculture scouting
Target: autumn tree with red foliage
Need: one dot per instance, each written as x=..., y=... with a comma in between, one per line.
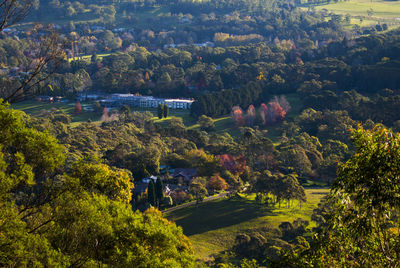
x=179, y=196
x=251, y=115
x=275, y=112
x=234, y=164
x=216, y=183
x=78, y=108
x=237, y=115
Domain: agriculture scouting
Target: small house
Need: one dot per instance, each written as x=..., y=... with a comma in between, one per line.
x=186, y=174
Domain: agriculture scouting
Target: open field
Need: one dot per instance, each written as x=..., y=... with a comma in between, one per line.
x=213, y=226
x=35, y=108
x=382, y=11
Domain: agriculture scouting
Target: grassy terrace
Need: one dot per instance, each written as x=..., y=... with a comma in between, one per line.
x=213, y=226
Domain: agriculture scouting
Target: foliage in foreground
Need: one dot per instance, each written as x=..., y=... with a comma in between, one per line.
x=50, y=217
x=359, y=222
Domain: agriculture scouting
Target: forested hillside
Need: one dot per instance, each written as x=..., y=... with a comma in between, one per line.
x=267, y=130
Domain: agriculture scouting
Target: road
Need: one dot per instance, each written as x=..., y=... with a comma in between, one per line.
x=210, y=198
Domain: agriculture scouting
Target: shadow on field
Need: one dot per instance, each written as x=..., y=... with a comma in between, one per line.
x=217, y=214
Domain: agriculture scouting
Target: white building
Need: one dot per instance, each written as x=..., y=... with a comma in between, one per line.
x=149, y=101
x=178, y=103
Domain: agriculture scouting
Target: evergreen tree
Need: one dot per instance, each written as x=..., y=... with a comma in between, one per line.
x=166, y=110
x=151, y=193
x=160, y=111
x=159, y=191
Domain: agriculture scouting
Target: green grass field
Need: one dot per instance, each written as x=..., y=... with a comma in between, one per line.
x=383, y=11
x=213, y=226
x=35, y=108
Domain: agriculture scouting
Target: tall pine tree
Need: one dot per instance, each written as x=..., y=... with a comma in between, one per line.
x=160, y=110
x=159, y=191
x=166, y=110
x=151, y=193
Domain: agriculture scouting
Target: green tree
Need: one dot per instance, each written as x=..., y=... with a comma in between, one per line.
x=151, y=193
x=166, y=110
x=206, y=123
x=160, y=111
x=116, y=184
x=159, y=191
x=198, y=190
x=79, y=216
x=357, y=222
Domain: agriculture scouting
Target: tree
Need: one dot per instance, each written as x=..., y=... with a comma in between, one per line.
x=151, y=193
x=12, y=11
x=47, y=54
x=159, y=191
x=95, y=177
x=166, y=110
x=78, y=107
x=357, y=221
x=206, y=123
x=160, y=111
x=370, y=12
x=83, y=79
x=217, y=183
x=198, y=190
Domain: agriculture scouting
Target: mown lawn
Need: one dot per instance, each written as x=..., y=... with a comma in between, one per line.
x=213, y=226
x=35, y=108
x=383, y=11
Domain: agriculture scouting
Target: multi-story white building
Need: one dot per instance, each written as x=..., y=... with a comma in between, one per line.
x=148, y=101
x=178, y=103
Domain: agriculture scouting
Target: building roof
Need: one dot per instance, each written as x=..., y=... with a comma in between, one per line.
x=186, y=173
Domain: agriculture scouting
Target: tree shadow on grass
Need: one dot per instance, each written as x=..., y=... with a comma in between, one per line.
x=218, y=214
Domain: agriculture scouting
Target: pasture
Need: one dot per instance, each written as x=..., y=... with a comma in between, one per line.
x=213, y=226
x=381, y=11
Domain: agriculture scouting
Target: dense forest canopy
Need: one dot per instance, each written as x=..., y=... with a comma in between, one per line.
x=285, y=97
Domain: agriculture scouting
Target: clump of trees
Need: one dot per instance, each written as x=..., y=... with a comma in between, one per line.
x=274, y=112
x=57, y=213
x=162, y=111
x=356, y=222
x=275, y=188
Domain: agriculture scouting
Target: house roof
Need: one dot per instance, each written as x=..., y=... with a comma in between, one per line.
x=187, y=173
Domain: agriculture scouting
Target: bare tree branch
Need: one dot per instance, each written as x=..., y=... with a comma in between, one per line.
x=13, y=11
x=46, y=54
x=47, y=50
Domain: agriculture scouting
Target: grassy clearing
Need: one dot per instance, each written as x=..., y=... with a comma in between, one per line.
x=35, y=108
x=383, y=11
x=213, y=226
